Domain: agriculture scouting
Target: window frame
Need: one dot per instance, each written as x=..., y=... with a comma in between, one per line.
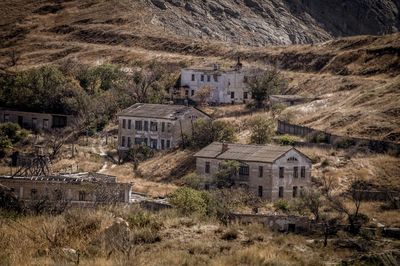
x=281, y=192
x=295, y=192
x=244, y=170
x=138, y=125
x=303, y=172
x=295, y=172
x=207, y=167
x=153, y=126
x=281, y=172
x=260, y=171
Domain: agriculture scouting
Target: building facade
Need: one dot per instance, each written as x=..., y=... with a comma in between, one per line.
x=35, y=121
x=271, y=172
x=159, y=126
x=76, y=189
x=227, y=85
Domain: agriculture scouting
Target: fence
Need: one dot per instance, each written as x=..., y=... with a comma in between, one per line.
x=314, y=135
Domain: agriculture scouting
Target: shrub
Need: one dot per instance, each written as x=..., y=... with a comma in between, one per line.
x=261, y=128
x=286, y=140
x=195, y=181
x=189, y=201
x=230, y=234
x=281, y=205
x=206, y=131
x=142, y=219
x=345, y=143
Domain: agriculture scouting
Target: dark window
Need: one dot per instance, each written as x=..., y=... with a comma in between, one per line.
x=202, y=77
x=260, y=191
x=138, y=125
x=281, y=192
x=244, y=170
x=145, y=141
x=232, y=94
x=186, y=92
x=169, y=126
x=82, y=195
x=208, y=78
x=153, y=126
x=295, y=192
x=193, y=77
x=281, y=172
x=163, y=144
x=207, y=170
x=291, y=228
x=33, y=193
x=245, y=95
x=123, y=141
x=260, y=171
x=295, y=172
x=45, y=123
x=129, y=142
x=168, y=144
x=34, y=123
x=215, y=78
x=59, y=121
x=192, y=93
x=21, y=121
x=153, y=143
x=129, y=124
x=303, y=172
x=163, y=127
x=6, y=118
x=123, y=123
x=146, y=126
x=138, y=141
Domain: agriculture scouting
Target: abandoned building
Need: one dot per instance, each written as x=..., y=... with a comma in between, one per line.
x=288, y=100
x=35, y=121
x=77, y=189
x=159, y=126
x=227, y=85
x=271, y=172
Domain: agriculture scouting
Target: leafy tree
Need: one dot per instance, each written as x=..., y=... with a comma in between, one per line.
x=227, y=170
x=263, y=84
x=261, y=128
x=10, y=134
x=202, y=94
x=207, y=131
x=312, y=200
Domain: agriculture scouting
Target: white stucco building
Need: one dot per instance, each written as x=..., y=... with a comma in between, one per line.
x=227, y=85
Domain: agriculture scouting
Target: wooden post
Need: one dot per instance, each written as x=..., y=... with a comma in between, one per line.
x=183, y=140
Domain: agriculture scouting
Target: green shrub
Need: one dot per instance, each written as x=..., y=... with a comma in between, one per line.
x=142, y=219
x=261, y=129
x=282, y=205
x=195, y=181
x=345, y=143
x=286, y=140
x=207, y=131
x=189, y=201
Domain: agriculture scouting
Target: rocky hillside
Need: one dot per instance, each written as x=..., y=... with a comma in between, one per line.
x=277, y=21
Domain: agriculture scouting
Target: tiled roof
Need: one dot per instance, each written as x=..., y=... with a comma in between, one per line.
x=164, y=111
x=242, y=152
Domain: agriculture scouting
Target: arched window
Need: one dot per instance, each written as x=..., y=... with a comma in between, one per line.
x=292, y=159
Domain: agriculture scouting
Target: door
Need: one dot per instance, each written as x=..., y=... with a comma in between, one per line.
x=260, y=191
x=20, y=120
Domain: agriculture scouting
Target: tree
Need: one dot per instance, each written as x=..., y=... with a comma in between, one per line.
x=227, y=170
x=203, y=94
x=311, y=199
x=207, y=131
x=263, y=84
x=188, y=201
x=261, y=128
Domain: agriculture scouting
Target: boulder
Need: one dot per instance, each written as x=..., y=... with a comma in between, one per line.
x=160, y=4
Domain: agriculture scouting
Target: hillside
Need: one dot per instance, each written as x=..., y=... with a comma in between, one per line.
x=355, y=77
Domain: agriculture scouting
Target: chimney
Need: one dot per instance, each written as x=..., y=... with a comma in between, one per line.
x=224, y=147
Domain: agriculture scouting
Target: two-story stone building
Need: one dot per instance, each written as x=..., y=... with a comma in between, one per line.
x=271, y=172
x=159, y=126
x=228, y=85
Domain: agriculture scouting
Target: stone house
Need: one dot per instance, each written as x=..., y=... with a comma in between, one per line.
x=159, y=126
x=227, y=85
x=271, y=172
x=35, y=121
x=76, y=189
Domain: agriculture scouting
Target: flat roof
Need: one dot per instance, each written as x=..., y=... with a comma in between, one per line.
x=243, y=152
x=67, y=178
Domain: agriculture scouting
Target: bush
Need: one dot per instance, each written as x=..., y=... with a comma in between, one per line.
x=207, y=131
x=195, y=181
x=345, y=143
x=286, y=140
x=230, y=234
x=189, y=201
x=282, y=205
x=261, y=128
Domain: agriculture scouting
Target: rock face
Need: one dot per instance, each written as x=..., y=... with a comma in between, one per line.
x=277, y=21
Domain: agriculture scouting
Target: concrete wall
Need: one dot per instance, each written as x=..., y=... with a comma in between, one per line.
x=222, y=84
x=69, y=191
x=32, y=120
x=371, y=144
x=270, y=181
